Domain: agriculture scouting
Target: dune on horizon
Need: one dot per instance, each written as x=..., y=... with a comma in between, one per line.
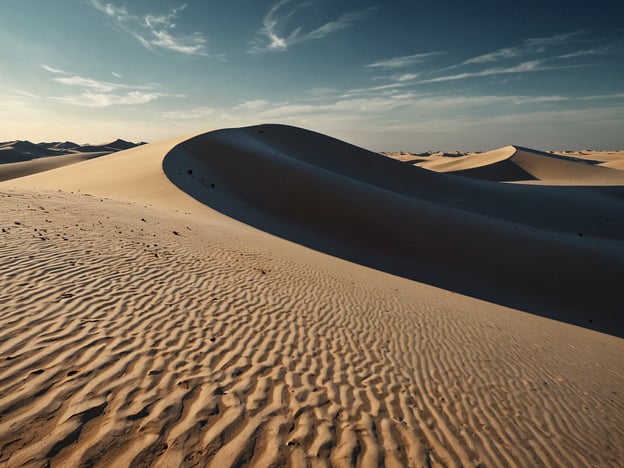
x=272, y=296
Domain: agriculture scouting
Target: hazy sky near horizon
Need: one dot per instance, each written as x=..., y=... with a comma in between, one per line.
x=393, y=75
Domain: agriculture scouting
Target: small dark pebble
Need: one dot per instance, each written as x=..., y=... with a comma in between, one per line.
x=176, y=233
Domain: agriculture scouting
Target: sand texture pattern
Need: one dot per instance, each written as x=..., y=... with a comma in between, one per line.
x=141, y=326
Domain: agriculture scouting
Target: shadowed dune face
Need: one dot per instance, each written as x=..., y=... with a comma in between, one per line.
x=555, y=251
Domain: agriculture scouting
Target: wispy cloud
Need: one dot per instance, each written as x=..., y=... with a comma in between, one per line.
x=589, y=52
x=254, y=104
x=94, y=99
x=407, y=77
x=97, y=93
x=21, y=92
x=155, y=31
x=371, y=107
x=89, y=83
x=56, y=71
x=188, y=114
x=273, y=36
x=404, y=61
x=524, y=67
x=116, y=75
x=603, y=96
x=527, y=47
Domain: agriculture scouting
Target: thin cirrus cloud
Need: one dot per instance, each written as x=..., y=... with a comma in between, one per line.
x=56, y=71
x=27, y=94
x=189, y=114
x=402, y=62
x=94, y=99
x=155, y=31
x=527, y=47
x=96, y=93
x=524, y=67
x=272, y=35
x=367, y=107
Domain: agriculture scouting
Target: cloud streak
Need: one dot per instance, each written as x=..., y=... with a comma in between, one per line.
x=94, y=99
x=56, y=71
x=527, y=47
x=524, y=67
x=402, y=62
x=96, y=93
x=155, y=31
x=190, y=114
x=272, y=35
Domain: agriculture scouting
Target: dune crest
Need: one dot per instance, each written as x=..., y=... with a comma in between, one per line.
x=520, y=164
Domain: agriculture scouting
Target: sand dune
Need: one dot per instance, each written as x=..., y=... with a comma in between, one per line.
x=516, y=163
x=143, y=326
x=514, y=245
x=23, y=168
x=22, y=151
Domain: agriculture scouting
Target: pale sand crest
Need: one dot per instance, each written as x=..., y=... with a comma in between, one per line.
x=518, y=164
x=153, y=330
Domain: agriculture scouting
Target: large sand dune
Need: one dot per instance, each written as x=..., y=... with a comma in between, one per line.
x=143, y=324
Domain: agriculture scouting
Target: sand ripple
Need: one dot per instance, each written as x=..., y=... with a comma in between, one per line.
x=124, y=343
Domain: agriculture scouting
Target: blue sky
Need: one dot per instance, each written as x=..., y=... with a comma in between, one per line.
x=395, y=75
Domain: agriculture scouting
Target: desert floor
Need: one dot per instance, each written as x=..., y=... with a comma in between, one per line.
x=271, y=297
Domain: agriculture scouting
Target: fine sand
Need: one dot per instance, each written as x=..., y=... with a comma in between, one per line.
x=270, y=296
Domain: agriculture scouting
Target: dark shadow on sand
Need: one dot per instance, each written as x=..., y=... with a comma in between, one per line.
x=518, y=246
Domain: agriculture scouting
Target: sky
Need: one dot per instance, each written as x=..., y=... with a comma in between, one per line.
x=397, y=75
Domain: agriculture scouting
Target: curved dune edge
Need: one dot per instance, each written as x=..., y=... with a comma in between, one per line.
x=524, y=247
x=16, y=170
x=519, y=164
x=124, y=343
x=133, y=175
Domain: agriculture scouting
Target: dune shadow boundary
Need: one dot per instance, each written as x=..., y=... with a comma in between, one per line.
x=524, y=247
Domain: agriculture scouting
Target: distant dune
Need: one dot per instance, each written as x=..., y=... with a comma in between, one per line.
x=271, y=296
x=519, y=164
x=22, y=158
